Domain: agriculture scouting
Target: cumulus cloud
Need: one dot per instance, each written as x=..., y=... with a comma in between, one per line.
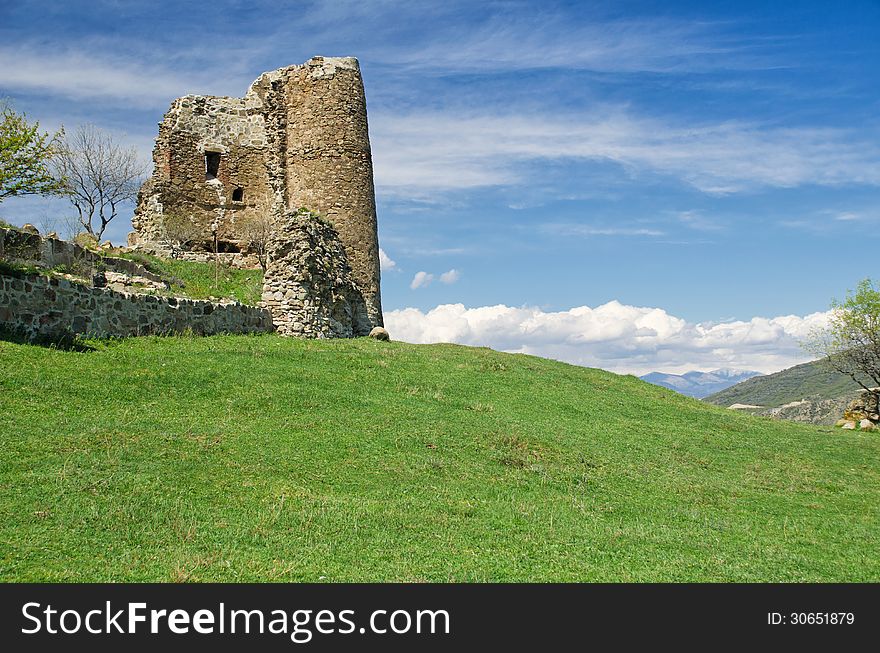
x=614, y=336
x=421, y=280
x=385, y=262
x=450, y=277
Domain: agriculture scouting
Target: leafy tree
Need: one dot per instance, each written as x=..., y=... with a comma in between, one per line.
x=25, y=156
x=100, y=176
x=850, y=344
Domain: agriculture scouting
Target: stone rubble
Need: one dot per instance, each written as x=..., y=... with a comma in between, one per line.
x=308, y=286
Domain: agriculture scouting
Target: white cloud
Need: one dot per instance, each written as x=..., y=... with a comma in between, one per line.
x=421, y=280
x=385, y=262
x=442, y=151
x=531, y=40
x=614, y=336
x=568, y=229
x=133, y=69
x=82, y=75
x=696, y=220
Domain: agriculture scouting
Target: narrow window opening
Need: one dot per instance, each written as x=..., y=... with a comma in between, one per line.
x=227, y=247
x=223, y=246
x=212, y=164
x=238, y=195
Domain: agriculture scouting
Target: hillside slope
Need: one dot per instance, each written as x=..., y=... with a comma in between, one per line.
x=259, y=458
x=808, y=393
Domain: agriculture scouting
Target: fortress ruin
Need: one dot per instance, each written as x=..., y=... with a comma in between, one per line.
x=225, y=166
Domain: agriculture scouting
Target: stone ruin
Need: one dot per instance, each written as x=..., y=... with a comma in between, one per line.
x=295, y=147
x=309, y=287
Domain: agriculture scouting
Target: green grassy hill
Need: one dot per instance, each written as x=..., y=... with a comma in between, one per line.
x=261, y=458
x=810, y=380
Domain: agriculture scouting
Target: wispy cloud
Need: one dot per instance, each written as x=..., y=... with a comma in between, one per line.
x=697, y=221
x=438, y=152
x=829, y=220
x=525, y=40
x=77, y=74
x=853, y=216
x=151, y=71
x=450, y=277
x=585, y=230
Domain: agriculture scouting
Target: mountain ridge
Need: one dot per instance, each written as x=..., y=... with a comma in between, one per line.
x=700, y=384
x=808, y=392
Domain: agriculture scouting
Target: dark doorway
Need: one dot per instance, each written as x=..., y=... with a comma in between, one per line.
x=212, y=164
x=238, y=195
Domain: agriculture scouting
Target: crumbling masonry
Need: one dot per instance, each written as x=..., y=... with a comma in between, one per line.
x=297, y=139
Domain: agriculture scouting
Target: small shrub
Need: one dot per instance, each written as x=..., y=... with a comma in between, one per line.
x=87, y=241
x=18, y=271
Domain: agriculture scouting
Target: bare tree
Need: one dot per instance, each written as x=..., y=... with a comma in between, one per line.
x=256, y=231
x=70, y=227
x=180, y=230
x=99, y=175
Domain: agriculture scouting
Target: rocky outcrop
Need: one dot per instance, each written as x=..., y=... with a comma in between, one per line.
x=862, y=412
x=380, y=333
x=309, y=287
x=811, y=410
x=863, y=407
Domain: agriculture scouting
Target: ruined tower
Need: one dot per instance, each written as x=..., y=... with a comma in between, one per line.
x=297, y=139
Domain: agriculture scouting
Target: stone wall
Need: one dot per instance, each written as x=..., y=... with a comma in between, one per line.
x=309, y=288
x=233, y=260
x=31, y=249
x=39, y=306
x=194, y=126
x=298, y=138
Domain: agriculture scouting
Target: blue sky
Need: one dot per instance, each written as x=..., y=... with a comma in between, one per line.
x=614, y=184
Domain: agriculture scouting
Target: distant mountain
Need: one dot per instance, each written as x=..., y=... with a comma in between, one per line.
x=804, y=393
x=699, y=384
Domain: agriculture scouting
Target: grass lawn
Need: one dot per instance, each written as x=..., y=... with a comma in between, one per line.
x=201, y=280
x=259, y=458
